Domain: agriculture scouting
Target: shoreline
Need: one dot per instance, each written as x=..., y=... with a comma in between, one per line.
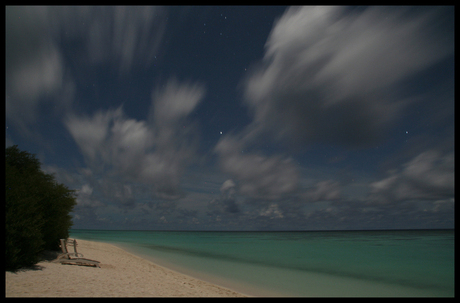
x=122, y=274
x=240, y=287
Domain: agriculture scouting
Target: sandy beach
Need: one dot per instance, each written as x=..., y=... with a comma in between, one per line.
x=121, y=274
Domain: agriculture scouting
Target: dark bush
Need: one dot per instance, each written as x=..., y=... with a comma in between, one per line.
x=37, y=210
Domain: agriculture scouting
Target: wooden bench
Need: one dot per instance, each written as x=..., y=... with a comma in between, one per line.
x=74, y=258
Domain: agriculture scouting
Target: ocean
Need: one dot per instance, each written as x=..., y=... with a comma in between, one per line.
x=401, y=263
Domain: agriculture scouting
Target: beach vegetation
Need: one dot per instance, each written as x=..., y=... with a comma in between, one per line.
x=37, y=210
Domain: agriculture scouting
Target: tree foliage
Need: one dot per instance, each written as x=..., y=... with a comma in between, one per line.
x=37, y=209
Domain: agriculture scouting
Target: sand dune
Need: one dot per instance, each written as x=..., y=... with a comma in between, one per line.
x=121, y=275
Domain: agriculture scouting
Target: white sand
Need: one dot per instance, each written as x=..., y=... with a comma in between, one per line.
x=121, y=275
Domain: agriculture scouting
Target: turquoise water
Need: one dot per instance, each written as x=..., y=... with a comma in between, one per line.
x=313, y=263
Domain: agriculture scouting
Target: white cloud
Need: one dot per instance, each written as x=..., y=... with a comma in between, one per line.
x=174, y=102
x=90, y=133
x=228, y=187
x=271, y=211
x=41, y=75
x=85, y=198
x=325, y=191
x=330, y=74
x=258, y=176
x=124, y=36
x=428, y=176
x=153, y=152
x=34, y=65
x=86, y=189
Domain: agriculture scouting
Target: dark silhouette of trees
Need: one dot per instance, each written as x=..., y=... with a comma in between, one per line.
x=37, y=209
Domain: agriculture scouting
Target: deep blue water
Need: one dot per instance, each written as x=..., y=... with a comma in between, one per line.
x=310, y=263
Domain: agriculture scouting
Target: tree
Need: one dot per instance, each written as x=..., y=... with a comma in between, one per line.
x=37, y=209
x=23, y=237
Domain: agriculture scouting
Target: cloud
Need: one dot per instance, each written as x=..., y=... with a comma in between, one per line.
x=124, y=36
x=331, y=74
x=90, y=133
x=38, y=63
x=61, y=175
x=85, y=198
x=428, y=176
x=125, y=195
x=86, y=189
x=154, y=152
x=258, y=176
x=174, y=102
x=228, y=192
x=82, y=182
x=225, y=203
x=34, y=65
x=324, y=191
x=228, y=188
x=271, y=211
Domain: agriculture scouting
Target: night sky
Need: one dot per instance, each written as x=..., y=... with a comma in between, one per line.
x=238, y=118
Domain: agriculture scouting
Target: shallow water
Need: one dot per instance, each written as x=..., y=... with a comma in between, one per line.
x=313, y=263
